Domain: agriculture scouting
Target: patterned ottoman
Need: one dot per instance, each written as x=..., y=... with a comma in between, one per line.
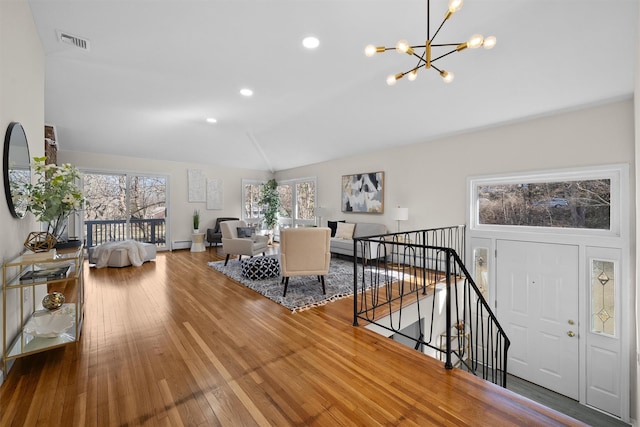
x=260, y=267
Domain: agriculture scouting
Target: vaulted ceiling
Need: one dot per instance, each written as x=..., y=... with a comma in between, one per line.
x=155, y=70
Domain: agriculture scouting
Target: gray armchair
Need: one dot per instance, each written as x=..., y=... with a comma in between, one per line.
x=214, y=235
x=234, y=245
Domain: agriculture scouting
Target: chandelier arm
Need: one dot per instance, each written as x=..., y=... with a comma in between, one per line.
x=436, y=68
x=446, y=54
x=438, y=30
x=413, y=69
x=446, y=44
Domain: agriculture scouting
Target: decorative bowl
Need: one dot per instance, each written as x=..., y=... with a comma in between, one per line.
x=53, y=301
x=48, y=324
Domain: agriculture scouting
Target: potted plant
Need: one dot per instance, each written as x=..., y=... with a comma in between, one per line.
x=54, y=195
x=270, y=199
x=196, y=221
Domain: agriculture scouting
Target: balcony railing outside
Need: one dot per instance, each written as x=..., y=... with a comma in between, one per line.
x=142, y=230
x=418, y=276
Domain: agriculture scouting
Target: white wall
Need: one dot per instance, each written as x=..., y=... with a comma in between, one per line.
x=430, y=178
x=21, y=100
x=181, y=210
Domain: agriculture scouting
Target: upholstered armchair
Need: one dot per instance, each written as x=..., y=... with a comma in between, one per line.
x=305, y=252
x=232, y=244
x=214, y=235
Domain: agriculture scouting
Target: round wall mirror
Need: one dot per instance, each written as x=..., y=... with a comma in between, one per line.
x=17, y=169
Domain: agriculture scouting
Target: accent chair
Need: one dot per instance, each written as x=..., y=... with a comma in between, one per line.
x=233, y=244
x=305, y=252
x=214, y=235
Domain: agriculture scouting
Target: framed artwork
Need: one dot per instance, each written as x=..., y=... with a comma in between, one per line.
x=214, y=193
x=196, y=180
x=363, y=193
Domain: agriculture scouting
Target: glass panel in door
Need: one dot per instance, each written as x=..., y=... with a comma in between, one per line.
x=119, y=211
x=147, y=209
x=105, y=215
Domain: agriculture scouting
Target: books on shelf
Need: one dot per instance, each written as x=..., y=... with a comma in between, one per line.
x=45, y=274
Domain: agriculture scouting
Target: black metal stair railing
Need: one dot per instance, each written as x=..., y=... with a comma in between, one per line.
x=419, y=278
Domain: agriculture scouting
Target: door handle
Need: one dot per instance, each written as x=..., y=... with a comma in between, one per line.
x=571, y=334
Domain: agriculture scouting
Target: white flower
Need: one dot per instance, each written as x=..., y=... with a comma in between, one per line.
x=55, y=193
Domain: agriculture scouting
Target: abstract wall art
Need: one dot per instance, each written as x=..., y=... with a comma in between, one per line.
x=363, y=193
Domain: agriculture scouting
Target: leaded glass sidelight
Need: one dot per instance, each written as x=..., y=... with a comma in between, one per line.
x=480, y=269
x=603, y=284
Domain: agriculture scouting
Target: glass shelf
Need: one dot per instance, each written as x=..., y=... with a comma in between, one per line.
x=25, y=343
x=70, y=283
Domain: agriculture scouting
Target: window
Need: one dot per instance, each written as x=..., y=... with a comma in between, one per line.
x=298, y=198
x=573, y=200
x=297, y=202
x=124, y=206
x=251, y=208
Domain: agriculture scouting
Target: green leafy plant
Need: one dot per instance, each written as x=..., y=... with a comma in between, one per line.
x=270, y=199
x=54, y=195
x=196, y=219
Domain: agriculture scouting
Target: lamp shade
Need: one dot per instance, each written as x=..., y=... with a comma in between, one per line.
x=401, y=214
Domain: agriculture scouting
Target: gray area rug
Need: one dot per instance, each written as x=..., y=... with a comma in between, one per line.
x=304, y=292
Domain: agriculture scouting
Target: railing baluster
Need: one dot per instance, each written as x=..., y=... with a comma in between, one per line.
x=144, y=230
x=410, y=268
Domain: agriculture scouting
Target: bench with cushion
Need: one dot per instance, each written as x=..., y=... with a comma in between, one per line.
x=117, y=254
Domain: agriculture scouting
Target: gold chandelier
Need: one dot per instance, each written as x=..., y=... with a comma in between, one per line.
x=426, y=59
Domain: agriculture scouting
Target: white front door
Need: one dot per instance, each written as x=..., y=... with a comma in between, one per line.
x=537, y=304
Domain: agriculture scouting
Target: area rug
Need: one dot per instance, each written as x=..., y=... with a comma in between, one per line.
x=304, y=292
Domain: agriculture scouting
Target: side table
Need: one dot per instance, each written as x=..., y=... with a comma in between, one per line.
x=197, y=242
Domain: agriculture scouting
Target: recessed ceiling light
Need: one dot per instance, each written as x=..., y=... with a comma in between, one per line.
x=310, y=42
x=246, y=92
x=211, y=120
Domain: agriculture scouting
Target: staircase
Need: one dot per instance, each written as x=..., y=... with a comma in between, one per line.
x=415, y=287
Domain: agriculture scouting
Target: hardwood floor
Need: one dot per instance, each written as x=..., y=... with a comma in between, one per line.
x=176, y=343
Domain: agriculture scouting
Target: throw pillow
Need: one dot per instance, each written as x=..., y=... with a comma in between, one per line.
x=333, y=225
x=246, y=232
x=345, y=230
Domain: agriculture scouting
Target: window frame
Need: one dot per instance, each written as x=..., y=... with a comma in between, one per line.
x=614, y=173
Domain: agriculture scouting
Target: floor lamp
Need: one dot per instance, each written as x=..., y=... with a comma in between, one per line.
x=319, y=213
x=401, y=214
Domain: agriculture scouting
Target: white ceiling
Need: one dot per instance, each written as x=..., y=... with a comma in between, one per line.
x=156, y=69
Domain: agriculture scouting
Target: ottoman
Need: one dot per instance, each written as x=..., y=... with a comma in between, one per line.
x=119, y=256
x=260, y=267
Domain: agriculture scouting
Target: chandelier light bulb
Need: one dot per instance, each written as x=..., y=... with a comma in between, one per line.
x=412, y=75
x=370, y=50
x=489, y=42
x=403, y=47
x=455, y=5
x=393, y=78
x=447, y=76
x=475, y=41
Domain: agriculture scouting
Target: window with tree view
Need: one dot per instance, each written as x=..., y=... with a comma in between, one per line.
x=122, y=206
x=561, y=204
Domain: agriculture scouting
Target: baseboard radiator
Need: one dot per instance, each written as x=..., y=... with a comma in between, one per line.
x=180, y=244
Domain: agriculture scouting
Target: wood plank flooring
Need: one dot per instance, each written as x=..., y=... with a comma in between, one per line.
x=176, y=343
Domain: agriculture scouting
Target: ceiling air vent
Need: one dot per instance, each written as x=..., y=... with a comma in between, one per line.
x=73, y=40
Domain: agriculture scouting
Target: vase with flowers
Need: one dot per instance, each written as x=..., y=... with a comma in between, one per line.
x=54, y=194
